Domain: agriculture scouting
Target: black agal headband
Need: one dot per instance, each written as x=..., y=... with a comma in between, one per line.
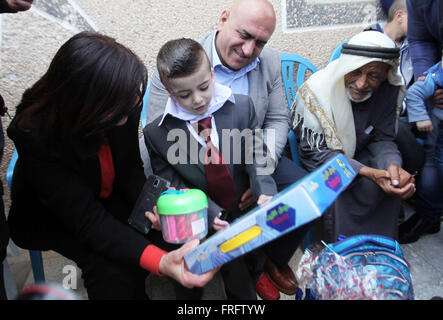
x=371, y=52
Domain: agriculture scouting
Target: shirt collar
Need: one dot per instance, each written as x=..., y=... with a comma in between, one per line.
x=220, y=95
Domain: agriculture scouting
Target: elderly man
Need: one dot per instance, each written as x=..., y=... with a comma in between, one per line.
x=350, y=107
x=242, y=61
x=396, y=27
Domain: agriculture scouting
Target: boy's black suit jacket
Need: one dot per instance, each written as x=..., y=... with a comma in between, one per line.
x=190, y=173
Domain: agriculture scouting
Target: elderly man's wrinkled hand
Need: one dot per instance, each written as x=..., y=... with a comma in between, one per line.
x=395, y=180
x=402, y=181
x=400, y=175
x=380, y=177
x=405, y=192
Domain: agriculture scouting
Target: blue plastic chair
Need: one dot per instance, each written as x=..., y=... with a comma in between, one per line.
x=337, y=52
x=144, y=113
x=288, y=60
x=10, y=170
x=35, y=255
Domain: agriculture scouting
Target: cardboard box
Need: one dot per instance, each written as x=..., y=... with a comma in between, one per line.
x=297, y=205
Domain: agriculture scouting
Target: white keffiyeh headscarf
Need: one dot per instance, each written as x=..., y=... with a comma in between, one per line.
x=322, y=103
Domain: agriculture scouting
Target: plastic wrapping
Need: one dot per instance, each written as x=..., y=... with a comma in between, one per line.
x=326, y=275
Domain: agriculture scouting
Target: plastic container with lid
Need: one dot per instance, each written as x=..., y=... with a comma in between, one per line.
x=183, y=215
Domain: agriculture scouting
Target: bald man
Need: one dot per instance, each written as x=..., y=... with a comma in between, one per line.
x=242, y=61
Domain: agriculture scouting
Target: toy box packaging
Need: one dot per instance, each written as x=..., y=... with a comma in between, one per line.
x=297, y=205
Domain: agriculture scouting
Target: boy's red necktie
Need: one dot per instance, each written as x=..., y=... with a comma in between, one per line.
x=221, y=187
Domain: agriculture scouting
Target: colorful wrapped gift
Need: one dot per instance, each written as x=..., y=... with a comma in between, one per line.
x=297, y=205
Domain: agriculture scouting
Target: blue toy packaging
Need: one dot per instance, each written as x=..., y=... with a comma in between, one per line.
x=297, y=205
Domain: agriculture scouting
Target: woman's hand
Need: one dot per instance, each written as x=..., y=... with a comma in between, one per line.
x=173, y=265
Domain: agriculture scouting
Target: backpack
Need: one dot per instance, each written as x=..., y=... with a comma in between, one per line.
x=357, y=267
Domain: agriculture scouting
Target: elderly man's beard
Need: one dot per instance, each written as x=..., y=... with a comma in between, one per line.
x=352, y=86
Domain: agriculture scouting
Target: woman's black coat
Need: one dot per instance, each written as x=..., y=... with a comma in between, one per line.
x=55, y=194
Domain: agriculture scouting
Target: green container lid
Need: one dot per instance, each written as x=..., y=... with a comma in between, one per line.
x=175, y=202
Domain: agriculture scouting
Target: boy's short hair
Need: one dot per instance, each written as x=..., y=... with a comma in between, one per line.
x=180, y=58
x=396, y=6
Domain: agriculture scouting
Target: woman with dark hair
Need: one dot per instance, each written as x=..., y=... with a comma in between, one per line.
x=79, y=171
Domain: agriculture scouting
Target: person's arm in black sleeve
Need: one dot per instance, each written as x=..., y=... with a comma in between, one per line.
x=13, y=6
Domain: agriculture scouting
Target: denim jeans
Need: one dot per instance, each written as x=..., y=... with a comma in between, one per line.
x=438, y=155
x=430, y=184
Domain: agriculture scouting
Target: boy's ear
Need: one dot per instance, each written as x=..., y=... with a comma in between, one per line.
x=167, y=90
x=399, y=16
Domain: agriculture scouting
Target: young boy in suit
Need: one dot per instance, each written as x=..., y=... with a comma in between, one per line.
x=206, y=139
